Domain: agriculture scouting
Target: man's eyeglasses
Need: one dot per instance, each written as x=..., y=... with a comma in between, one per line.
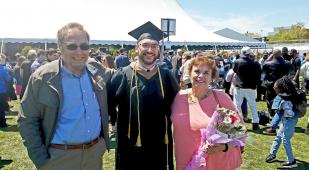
x=152, y=46
x=73, y=46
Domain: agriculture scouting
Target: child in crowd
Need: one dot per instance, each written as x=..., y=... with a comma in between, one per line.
x=283, y=105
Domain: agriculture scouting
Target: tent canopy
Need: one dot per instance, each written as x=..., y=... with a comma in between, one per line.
x=107, y=21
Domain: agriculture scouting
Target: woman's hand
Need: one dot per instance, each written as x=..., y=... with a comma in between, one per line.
x=242, y=150
x=210, y=149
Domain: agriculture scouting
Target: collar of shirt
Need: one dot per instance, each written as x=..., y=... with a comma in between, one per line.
x=68, y=72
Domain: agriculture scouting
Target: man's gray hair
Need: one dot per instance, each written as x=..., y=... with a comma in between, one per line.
x=62, y=33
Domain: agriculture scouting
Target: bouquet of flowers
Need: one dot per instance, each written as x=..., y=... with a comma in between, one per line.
x=226, y=126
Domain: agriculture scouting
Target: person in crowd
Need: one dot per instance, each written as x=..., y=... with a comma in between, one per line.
x=4, y=79
x=52, y=55
x=107, y=61
x=260, y=91
x=39, y=61
x=285, y=54
x=176, y=63
x=304, y=72
x=274, y=68
x=249, y=73
x=232, y=78
x=122, y=59
x=296, y=64
x=185, y=78
x=168, y=59
x=189, y=117
x=63, y=119
x=283, y=105
x=25, y=70
x=9, y=84
x=143, y=92
x=16, y=75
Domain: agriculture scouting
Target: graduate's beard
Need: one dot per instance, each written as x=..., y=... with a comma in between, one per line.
x=146, y=63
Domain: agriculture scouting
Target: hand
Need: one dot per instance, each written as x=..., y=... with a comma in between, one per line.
x=210, y=149
x=242, y=150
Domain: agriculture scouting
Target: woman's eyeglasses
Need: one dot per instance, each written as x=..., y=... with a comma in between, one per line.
x=73, y=46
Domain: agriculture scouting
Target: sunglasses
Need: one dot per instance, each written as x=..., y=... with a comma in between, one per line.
x=73, y=46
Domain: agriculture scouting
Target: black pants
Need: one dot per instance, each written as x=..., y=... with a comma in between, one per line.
x=3, y=104
x=269, y=96
x=259, y=91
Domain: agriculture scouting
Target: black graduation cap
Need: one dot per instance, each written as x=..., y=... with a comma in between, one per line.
x=147, y=31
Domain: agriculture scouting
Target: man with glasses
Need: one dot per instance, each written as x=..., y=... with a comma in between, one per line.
x=63, y=119
x=143, y=92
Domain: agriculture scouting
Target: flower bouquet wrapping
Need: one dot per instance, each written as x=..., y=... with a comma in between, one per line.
x=226, y=126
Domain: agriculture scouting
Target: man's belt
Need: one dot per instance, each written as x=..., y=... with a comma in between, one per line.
x=77, y=146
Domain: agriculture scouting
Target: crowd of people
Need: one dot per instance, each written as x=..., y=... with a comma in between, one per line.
x=70, y=96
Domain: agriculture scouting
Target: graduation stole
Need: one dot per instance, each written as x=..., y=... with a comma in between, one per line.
x=134, y=76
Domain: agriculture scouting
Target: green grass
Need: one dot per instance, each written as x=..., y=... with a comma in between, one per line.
x=14, y=155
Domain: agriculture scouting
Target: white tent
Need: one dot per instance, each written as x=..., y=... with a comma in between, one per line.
x=107, y=21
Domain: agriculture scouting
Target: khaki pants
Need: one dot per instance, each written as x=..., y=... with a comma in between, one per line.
x=76, y=159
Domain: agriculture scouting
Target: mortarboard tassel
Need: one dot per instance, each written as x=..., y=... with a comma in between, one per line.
x=166, y=136
x=166, y=126
x=162, y=91
x=131, y=84
x=138, y=141
x=129, y=132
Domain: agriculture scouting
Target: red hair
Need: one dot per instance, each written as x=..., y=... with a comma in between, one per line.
x=204, y=59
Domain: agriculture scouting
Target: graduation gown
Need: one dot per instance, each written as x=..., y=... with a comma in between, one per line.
x=153, y=119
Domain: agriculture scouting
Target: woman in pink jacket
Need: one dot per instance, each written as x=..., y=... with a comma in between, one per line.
x=192, y=110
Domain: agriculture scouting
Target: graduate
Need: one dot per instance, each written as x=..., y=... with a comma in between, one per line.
x=143, y=93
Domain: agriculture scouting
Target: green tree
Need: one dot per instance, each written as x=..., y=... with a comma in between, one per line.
x=25, y=50
x=296, y=32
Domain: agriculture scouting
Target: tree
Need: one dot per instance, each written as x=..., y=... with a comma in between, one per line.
x=26, y=49
x=297, y=31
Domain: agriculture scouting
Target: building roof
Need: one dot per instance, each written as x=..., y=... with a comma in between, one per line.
x=229, y=33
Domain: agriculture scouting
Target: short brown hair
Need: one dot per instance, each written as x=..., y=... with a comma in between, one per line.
x=204, y=59
x=62, y=33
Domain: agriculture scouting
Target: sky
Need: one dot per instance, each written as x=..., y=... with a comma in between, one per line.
x=40, y=18
x=257, y=16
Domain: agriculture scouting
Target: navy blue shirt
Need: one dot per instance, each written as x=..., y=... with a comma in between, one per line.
x=122, y=61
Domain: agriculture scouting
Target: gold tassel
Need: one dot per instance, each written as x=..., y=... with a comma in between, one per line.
x=129, y=130
x=166, y=138
x=138, y=142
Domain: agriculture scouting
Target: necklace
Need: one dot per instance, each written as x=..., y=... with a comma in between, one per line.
x=194, y=99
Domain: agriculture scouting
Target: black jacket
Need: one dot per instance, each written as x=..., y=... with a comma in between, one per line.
x=274, y=69
x=248, y=71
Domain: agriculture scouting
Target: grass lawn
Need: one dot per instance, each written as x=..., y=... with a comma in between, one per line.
x=14, y=155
